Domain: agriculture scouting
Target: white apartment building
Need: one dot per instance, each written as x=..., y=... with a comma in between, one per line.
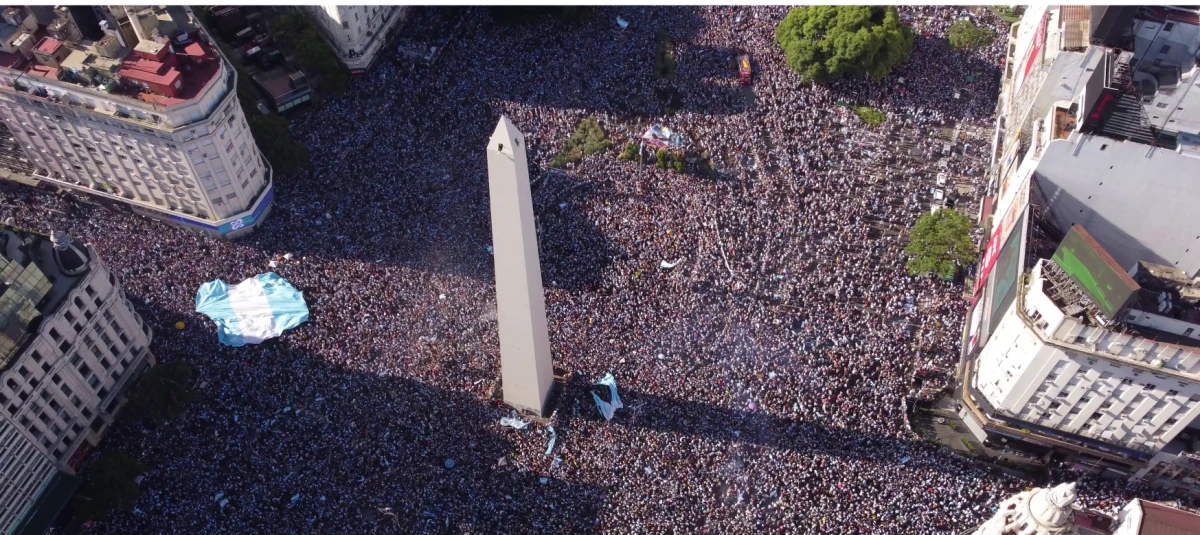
x=71, y=346
x=357, y=33
x=1099, y=136
x=144, y=117
x=1045, y=366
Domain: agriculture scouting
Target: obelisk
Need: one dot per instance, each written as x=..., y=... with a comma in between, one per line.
x=525, y=366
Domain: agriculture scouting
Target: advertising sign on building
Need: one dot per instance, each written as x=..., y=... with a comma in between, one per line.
x=1011, y=206
x=973, y=334
x=1034, y=53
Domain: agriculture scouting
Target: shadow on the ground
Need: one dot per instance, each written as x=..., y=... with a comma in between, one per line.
x=299, y=445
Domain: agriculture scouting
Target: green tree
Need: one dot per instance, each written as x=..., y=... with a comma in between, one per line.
x=108, y=485
x=824, y=43
x=587, y=139
x=939, y=243
x=297, y=35
x=630, y=153
x=162, y=393
x=965, y=35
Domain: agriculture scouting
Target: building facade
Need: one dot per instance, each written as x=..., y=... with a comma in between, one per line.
x=1083, y=340
x=1052, y=511
x=1040, y=511
x=70, y=349
x=357, y=33
x=144, y=117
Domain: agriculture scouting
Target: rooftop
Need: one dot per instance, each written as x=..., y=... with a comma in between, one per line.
x=49, y=45
x=34, y=279
x=168, y=69
x=1158, y=519
x=1086, y=284
x=1064, y=123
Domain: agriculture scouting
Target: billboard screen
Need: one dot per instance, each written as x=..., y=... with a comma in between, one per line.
x=1012, y=207
x=1008, y=270
x=1109, y=286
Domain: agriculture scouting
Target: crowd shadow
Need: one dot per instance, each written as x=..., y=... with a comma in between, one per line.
x=747, y=428
x=931, y=84
x=618, y=80
x=300, y=444
x=574, y=250
x=443, y=225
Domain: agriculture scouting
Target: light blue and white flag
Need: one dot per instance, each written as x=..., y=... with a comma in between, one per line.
x=606, y=408
x=256, y=309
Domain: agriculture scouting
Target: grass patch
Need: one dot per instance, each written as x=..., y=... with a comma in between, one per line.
x=869, y=115
x=588, y=139
x=970, y=445
x=664, y=58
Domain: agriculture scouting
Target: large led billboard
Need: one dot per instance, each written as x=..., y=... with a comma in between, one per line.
x=1007, y=272
x=1109, y=286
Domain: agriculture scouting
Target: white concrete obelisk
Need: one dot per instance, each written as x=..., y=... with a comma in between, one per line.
x=525, y=366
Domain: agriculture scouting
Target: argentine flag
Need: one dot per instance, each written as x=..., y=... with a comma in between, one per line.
x=253, y=310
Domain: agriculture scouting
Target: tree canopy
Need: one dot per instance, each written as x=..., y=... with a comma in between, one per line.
x=297, y=35
x=939, y=243
x=965, y=35
x=824, y=43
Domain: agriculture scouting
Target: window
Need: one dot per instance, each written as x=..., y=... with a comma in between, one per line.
x=1161, y=105
x=1172, y=392
x=1168, y=26
x=345, y=25
x=1164, y=49
x=1151, y=386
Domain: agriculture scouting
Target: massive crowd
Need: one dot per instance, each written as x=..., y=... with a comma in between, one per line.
x=764, y=375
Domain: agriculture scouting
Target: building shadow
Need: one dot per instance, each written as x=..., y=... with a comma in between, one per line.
x=547, y=61
x=929, y=86
x=301, y=445
x=751, y=428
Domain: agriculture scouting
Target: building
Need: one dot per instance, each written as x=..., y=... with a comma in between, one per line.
x=71, y=346
x=1082, y=343
x=285, y=89
x=1140, y=517
x=135, y=108
x=1044, y=511
x=1052, y=511
x=357, y=33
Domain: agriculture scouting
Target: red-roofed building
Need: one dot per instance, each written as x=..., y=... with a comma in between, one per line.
x=161, y=96
x=49, y=45
x=50, y=51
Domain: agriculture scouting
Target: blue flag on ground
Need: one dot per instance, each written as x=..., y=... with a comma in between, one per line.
x=256, y=309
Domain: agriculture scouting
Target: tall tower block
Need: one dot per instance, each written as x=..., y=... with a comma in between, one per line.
x=525, y=365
